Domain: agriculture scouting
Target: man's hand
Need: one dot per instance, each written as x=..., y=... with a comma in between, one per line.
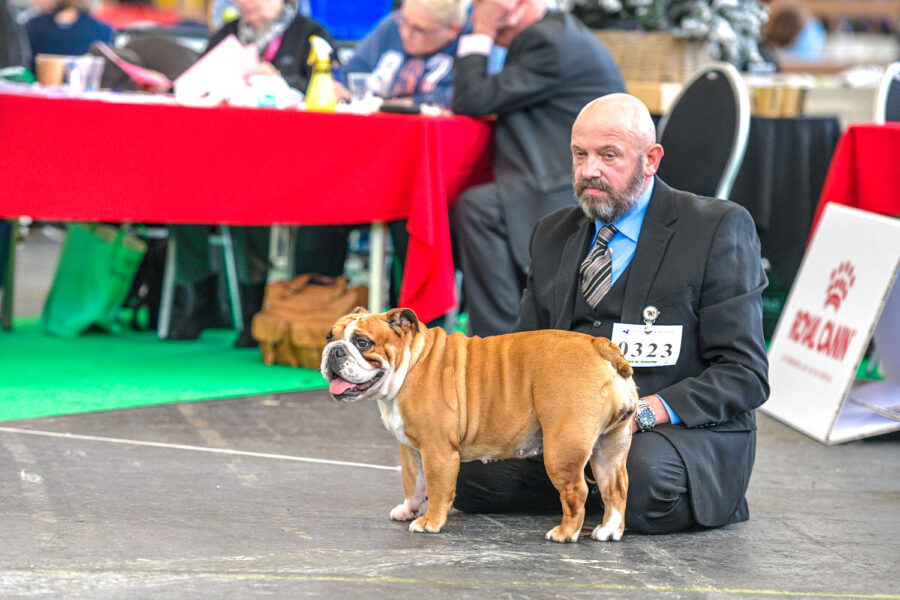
x=341, y=92
x=662, y=416
x=490, y=16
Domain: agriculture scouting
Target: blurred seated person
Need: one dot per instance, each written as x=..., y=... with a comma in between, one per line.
x=68, y=30
x=792, y=33
x=410, y=54
x=282, y=36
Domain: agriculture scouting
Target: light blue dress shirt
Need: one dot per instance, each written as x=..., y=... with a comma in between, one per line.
x=622, y=247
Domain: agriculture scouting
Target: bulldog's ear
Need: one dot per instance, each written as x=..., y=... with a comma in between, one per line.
x=359, y=310
x=403, y=320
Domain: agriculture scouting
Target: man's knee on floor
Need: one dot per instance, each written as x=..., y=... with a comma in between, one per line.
x=658, y=500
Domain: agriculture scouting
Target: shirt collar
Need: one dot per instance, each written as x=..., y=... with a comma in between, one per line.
x=630, y=223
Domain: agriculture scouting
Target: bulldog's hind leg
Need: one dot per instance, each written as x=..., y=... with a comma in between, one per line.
x=608, y=466
x=413, y=485
x=565, y=455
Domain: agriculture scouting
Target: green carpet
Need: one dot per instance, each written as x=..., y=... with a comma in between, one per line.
x=44, y=376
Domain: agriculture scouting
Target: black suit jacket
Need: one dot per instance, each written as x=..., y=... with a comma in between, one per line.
x=552, y=69
x=698, y=261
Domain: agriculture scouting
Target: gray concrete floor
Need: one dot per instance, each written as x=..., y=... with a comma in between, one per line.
x=258, y=497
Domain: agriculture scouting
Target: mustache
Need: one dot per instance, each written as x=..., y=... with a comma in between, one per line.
x=592, y=182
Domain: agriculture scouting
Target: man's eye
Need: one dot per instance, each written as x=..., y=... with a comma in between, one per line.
x=362, y=344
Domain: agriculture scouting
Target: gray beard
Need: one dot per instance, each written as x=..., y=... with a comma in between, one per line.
x=616, y=204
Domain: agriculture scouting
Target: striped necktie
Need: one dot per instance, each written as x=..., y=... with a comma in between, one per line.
x=596, y=270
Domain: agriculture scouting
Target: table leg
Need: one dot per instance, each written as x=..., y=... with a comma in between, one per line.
x=168, y=290
x=376, y=266
x=281, y=254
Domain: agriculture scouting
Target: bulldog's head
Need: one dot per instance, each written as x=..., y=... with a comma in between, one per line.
x=369, y=354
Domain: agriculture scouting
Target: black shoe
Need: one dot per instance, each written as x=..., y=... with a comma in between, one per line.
x=245, y=339
x=251, y=303
x=201, y=299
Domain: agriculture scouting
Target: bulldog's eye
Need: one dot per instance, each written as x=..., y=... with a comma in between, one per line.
x=362, y=343
x=329, y=336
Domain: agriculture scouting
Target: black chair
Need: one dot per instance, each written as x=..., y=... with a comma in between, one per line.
x=704, y=133
x=887, y=98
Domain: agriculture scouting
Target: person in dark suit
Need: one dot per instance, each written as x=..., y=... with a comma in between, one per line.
x=554, y=66
x=688, y=266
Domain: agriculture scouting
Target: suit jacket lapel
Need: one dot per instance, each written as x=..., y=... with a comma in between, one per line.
x=570, y=262
x=655, y=236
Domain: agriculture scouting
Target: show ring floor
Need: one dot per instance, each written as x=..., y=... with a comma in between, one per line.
x=288, y=496
x=264, y=497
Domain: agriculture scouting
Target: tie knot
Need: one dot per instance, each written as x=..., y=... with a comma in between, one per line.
x=605, y=234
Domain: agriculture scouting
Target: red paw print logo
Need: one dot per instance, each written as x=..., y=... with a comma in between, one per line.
x=840, y=282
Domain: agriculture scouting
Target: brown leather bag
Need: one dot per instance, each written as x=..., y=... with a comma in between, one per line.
x=297, y=314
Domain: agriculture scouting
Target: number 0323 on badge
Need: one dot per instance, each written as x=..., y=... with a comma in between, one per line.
x=648, y=346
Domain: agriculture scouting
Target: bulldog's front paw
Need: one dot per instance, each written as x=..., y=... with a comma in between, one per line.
x=425, y=525
x=558, y=535
x=402, y=512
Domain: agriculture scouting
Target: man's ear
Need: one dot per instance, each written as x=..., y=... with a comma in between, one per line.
x=652, y=158
x=403, y=320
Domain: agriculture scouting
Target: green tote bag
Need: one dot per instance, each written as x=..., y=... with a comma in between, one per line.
x=96, y=267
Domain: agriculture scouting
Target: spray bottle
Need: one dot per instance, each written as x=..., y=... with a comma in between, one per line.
x=320, y=94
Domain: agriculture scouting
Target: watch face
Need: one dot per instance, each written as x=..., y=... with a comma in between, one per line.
x=646, y=418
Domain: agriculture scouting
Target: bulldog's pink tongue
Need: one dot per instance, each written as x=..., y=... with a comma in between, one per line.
x=338, y=386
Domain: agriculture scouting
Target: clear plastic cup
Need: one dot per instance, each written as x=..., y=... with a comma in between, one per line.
x=358, y=86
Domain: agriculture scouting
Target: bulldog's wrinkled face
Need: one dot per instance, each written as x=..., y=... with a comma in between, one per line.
x=367, y=355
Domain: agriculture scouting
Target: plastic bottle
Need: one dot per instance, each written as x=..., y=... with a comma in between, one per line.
x=320, y=94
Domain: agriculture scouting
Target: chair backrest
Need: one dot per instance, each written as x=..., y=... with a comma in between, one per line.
x=887, y=98
x=704, y=134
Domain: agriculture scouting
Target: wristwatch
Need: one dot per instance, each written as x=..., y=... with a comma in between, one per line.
x=645, y=416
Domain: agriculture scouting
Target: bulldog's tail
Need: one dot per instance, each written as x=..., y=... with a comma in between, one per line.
x=611, y=352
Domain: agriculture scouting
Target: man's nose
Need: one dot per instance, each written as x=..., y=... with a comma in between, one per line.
x=591, y=167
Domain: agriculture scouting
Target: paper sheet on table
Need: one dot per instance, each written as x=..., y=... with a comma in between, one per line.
x=218, y=74
x=139, y=75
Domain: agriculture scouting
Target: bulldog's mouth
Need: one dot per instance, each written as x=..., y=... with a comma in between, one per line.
x=341, y=388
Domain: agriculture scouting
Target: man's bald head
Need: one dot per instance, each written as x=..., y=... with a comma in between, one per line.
x=624, y=112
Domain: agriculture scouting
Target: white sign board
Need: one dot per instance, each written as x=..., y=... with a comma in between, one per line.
x=844, y=292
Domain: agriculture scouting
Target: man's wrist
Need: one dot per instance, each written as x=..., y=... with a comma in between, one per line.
x=475, y=43
x=644, y=416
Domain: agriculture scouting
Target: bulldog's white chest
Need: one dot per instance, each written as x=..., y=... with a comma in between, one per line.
x=390, y=416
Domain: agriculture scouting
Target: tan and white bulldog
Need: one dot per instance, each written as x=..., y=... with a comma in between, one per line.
x=452, y=398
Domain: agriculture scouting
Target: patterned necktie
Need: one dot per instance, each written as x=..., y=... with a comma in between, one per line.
x=596, y=270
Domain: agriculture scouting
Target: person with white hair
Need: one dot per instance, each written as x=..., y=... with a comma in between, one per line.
x=410, y=52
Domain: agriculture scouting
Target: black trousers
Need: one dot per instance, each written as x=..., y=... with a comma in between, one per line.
x=492, y=280
x=658, y=499
x=323, y=249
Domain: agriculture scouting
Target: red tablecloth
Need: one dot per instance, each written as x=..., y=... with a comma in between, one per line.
x=865, y=171
x=87, y=160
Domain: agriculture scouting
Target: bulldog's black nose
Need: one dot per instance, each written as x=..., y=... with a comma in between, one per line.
x=338, y=352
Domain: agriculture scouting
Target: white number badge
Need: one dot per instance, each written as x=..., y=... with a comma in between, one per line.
x=648, y=345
